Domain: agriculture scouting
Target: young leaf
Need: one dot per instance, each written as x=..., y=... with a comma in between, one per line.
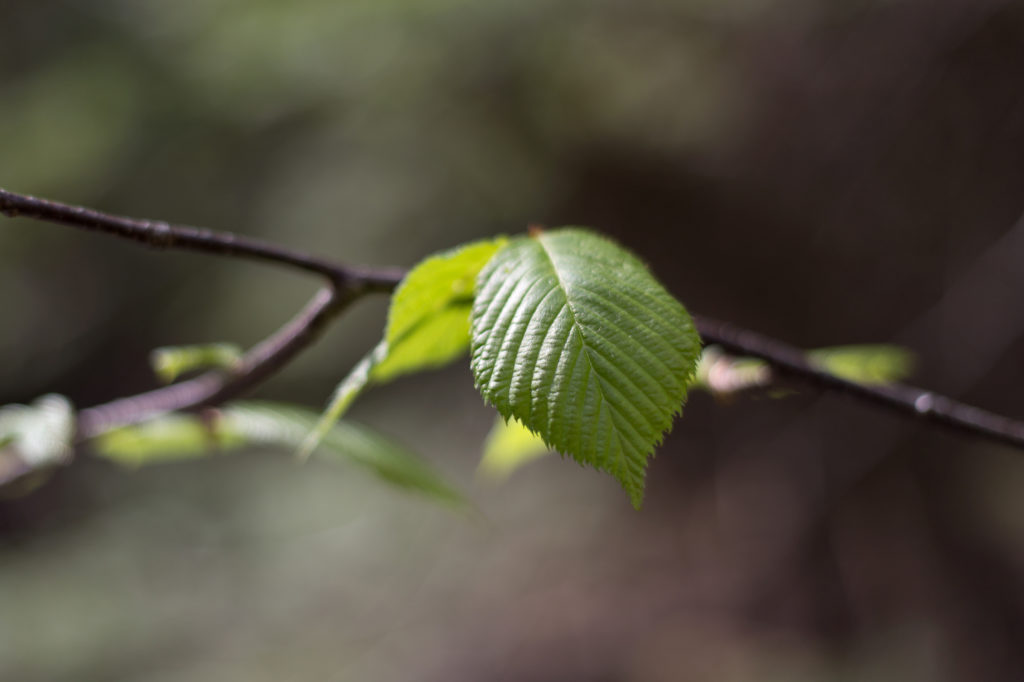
x=428, y=326
x=428, y=321
x=878, y=364
x=167, y=438
x=573, y=336
x=509, y=446
x=179, y=436
x=172, y=361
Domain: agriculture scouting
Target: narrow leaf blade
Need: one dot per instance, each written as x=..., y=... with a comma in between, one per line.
x=175, y=437
x=287, y=425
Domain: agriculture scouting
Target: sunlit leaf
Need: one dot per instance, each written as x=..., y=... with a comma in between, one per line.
x=509, y=446
x=428, y=326
x=172, y=361
x=428, y=321
x=573, y=336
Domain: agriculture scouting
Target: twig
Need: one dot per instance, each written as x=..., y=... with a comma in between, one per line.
x=214, y=388
x=347, y=284
x=162, y=235
x=908, y=400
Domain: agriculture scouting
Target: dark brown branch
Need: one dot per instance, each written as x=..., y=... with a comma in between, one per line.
x=908, y=400
x=162, y=235
x=214, y=388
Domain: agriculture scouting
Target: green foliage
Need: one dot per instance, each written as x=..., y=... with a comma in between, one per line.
x=869, y=364
x=167, y=438
x=428, y=326
x=172, y=361
x=509, y=446
x=573, y=336
x=174, y=437
x=428, y=321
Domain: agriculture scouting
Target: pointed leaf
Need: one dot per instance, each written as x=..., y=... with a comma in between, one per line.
x=573, y=336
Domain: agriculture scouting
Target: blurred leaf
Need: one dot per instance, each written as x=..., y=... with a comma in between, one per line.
x=347, y=391
x=168, y=438
x=868, y=364
x=35, y=438
x=509, y=446
x=179, y=436
x=288, y=425
x=573, y=335
x=170, y=362
x=428, y=326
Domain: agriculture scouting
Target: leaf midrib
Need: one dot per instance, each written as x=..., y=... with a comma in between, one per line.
x=621, y=458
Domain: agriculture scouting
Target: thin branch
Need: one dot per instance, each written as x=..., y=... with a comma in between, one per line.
x=348, y=283
x=162, y=235
x=216, y=387
x=908, y=400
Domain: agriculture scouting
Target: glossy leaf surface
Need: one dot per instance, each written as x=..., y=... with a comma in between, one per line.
x=573, y=336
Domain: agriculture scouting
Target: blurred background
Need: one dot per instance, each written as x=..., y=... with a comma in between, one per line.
x=826, y=171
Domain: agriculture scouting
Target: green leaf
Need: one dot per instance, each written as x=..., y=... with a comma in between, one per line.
x=428, y=326
x=509, y=446
x=167, y=438
x=573, y=336
x=171, y=362
x=288, y=425
x=868, y=364
x=179, y=436
x=428, y=321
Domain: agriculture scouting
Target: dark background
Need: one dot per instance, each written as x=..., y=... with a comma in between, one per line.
x=826, y=172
